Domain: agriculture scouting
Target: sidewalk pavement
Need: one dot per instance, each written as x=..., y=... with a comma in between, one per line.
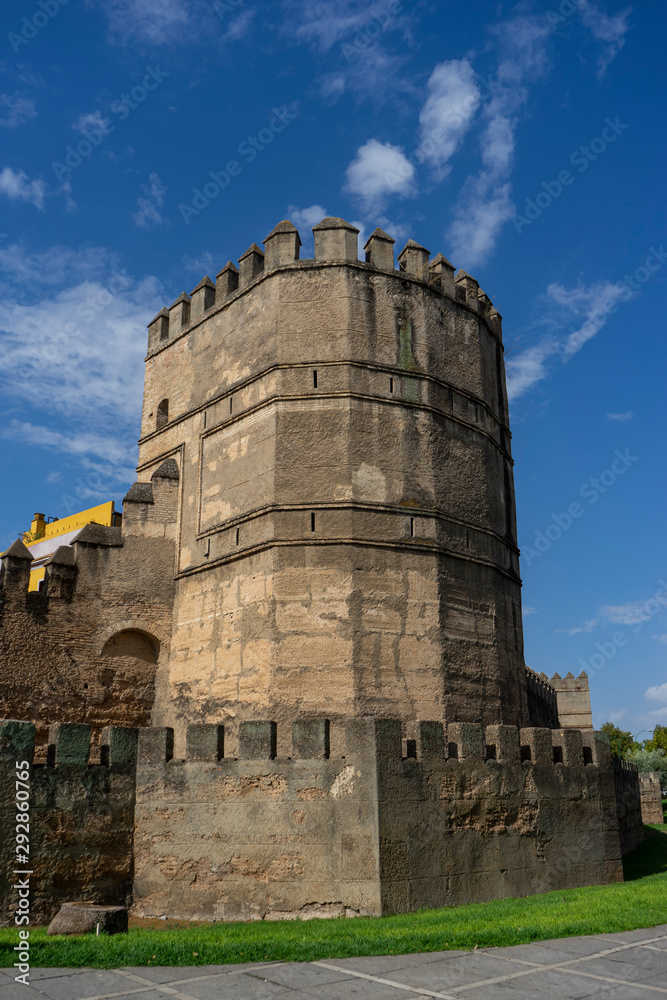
x=627, y=966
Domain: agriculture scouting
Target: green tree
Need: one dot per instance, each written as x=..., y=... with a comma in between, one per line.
x=651, y=760
x=659, y=740
x=620, y=740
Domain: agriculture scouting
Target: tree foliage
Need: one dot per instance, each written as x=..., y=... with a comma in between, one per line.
x=621, y=740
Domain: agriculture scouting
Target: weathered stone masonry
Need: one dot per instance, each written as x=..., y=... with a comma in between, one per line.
x=468, y=814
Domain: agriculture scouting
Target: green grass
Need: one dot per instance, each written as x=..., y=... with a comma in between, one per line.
x=640, y=901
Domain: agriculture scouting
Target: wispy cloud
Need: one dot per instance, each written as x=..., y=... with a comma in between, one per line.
x=485, y=203
x=18, y=187
x=71, y=360
x=448, y=112
x=306, y=218
x=15, y=110
x=527, y=610
x=632, y=613
x=657, y=693
x=588, y=306
x=621, y=417
x=617, y=717
x=158, y=22
x=660, y=638
x=587, y=626
x=148, y=214
x=610, y=29
x=91, y=120
x=378, y=170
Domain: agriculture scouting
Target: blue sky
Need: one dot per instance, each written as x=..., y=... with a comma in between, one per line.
x=522, y=141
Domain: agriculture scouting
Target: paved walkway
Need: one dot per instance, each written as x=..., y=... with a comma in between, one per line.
x=628, y=966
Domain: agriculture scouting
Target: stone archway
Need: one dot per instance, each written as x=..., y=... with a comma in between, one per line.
x=123, y=690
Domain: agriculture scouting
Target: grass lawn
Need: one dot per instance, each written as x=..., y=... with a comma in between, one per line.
x=640, y=901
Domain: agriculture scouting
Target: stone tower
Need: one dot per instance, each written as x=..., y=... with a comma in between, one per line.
x=346, y=536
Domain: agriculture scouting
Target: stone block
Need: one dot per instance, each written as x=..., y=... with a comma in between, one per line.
x=506, y=741
x=72, y=743
x=205, y=741
x=310, y=739
x=257, y=740
x=432, y=740
x=540, y=744
x=119, y=746
x=156, y=745
x=469, y=740
x=335, y=239
x=569, y=740
x=84, y=918
x=17, y=740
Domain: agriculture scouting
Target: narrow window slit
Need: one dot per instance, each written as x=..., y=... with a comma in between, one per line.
x=231, y=404
x=314, y=380
x=204, y=419
x=312, y=522
x=391, y=385
x=238, y=532
x=412, y=527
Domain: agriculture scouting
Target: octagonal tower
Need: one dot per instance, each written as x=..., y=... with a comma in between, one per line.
x=346, y=530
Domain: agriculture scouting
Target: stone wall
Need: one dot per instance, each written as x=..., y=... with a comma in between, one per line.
x=86, y=649
x=651, y=797
x=628, y=804
x=468, y=815
x=81, y=819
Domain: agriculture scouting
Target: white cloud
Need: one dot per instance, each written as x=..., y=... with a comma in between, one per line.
x=158, y=22
x=527, y=610
x=660, y=638
x=54, y=477
x=90, y=121
x=621, y=417
x=148, y=214
x=588, y=626
x=306, y=218
x=18, y=187
x=616, y=717
x=378, y=170
x=527, y=367
x=590, y=306
x=15, y=110
x=485, y=204
x=610, y=29
x=238, y=27
x=657, y=693
x=522, y=45
x=659, y=715
x=71, y=360
x=593, y=304
x=483, y=209
x=632, y=613
x=447, y=114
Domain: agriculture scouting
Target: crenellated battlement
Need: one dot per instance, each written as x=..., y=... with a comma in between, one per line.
x=335, y=242
x=467, y=743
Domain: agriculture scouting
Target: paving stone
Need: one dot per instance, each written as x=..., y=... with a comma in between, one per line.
x=303, y=975
x=241, y=987
x=175, y=974
x=89, y=983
